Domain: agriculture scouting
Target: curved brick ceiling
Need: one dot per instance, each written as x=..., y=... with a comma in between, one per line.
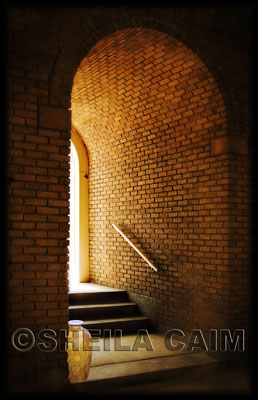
x=138, y=78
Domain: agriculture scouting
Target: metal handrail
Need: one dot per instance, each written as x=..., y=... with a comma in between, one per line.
x=136, y=248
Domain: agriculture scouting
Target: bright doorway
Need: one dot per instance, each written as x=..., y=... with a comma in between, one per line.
x=79, y=220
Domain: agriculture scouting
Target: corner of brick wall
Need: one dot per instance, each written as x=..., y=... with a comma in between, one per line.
x=38, y=205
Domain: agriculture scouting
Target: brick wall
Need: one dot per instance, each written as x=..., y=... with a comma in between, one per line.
x=167, y=135
x=38, y=199
x=155, y=124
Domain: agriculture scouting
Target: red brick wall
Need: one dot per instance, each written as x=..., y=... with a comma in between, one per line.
x=167, y=133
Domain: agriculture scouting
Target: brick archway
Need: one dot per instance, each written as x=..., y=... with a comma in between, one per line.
x=147, y=108
x=83, y=37
x=200, y=150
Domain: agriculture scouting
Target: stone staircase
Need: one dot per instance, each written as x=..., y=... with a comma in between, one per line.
x=107, y=309
x=103, y=308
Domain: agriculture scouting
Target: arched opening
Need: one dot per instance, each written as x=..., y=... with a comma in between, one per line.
x=78, y=235
x=147, y=107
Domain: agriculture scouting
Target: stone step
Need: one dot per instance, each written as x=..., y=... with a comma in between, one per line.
x=102, y=307
x=148, y=370
x=100, y=297
x=99, y=311
x=129, y=324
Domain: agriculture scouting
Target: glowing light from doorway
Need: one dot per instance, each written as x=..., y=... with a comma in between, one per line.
x=74, y=240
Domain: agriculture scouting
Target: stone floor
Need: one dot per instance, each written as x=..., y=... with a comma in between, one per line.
x=160, y=372
x=149, y=368
x=225, y=380
x=146, y=346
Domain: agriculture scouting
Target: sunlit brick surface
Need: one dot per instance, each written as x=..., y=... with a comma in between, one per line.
x=147, y=107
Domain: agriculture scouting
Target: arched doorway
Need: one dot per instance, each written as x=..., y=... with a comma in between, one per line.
x=79, y=236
